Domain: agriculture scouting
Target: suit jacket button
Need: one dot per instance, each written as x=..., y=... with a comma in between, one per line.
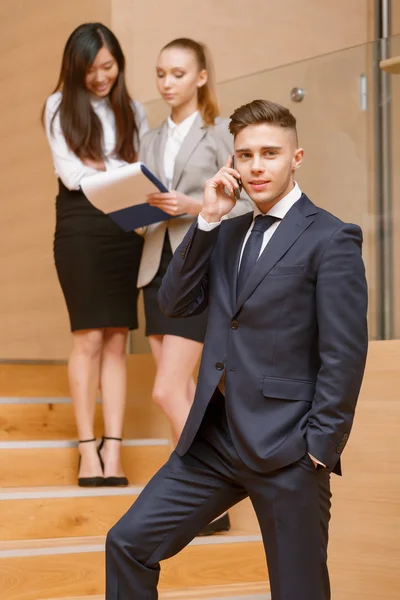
x=219, y=366
x=234, y=325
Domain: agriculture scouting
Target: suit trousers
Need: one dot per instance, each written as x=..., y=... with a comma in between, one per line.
x=292, y=505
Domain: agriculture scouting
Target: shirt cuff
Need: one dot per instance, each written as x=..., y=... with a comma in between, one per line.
x=316, y=460
x=204, y=226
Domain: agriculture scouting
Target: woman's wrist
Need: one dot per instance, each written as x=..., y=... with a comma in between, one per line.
x=194, y=206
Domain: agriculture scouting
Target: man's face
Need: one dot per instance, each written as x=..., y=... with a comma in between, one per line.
x=266, y=158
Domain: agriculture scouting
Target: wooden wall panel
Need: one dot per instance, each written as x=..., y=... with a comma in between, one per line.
x=33, y=320
x=365, y=543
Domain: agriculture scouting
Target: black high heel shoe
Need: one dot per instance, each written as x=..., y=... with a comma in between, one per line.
x=89, y=481
x=111, y=481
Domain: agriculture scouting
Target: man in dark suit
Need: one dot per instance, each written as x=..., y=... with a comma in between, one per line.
x=281, y=370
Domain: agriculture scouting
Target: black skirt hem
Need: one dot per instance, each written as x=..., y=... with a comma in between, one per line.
x=190, y=328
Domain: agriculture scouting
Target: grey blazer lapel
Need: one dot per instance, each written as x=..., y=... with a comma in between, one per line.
x=160, y=142
x=193, y=138
x=297, y=220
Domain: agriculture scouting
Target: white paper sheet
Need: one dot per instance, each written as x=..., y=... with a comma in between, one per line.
x=114, y=190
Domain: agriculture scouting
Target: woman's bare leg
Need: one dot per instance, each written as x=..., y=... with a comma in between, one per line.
x=84, y=377
x=113, y=383
x=174, y=384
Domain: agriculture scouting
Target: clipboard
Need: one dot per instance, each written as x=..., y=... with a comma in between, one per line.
x=121, y=194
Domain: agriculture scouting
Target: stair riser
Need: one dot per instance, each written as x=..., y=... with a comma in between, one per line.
x=59, y=466
x=61, y=517
x=61, y=576
x=241, y=591
x=55, y=421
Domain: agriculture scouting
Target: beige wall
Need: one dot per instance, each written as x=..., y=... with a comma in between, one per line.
x=33, y=319
x=395, y=17
x=243, y=40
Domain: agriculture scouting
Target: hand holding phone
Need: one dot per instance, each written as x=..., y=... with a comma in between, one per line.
x=239, y=189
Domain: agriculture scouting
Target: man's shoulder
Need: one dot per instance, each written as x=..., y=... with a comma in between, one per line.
x=329, y=221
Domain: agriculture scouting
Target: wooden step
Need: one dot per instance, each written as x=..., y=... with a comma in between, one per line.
x=239, y=591
x=44, y=418
x=71, y=511
x=53, y=419
x=39, y=513
x=75, y=567
x=49, y=381
x=44, y=463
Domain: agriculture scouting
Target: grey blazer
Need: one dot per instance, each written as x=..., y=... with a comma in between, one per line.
x=204, y=151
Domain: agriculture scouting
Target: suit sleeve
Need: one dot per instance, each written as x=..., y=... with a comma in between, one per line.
x=341, y=303
x=184, y=289
x=224, y=149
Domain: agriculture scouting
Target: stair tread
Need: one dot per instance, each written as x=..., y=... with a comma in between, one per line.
x=65, y=491
x=96, y=543
x=256, y=590
x=73, y=443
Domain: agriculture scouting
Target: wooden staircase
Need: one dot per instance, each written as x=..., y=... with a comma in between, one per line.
x=52, y=532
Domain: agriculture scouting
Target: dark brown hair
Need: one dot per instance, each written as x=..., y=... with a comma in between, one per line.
x=261, y=111
x=81, y=126
x=207, y=95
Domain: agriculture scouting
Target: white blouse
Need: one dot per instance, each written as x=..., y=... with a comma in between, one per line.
x=68, y=167
x=176, y=135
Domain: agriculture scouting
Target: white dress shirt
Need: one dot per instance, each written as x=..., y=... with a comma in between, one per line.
x=176, y=135
x=68, y=167
x=280, y=210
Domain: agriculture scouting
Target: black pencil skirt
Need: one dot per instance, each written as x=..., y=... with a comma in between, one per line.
x=97, y=264
x=191, y=328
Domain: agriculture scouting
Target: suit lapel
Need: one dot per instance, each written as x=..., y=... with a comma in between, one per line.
x=297, y=220
x=161, y=141
x=193, y=138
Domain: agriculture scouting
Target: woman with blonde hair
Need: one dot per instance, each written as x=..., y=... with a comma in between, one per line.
x=184, y=151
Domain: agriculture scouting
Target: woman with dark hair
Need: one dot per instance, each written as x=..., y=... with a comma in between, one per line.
x=93, y=125
x=185, y=151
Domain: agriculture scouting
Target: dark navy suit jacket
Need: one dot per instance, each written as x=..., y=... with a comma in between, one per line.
x=292, y=346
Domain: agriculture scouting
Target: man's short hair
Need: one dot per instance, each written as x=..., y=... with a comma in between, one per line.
x=261, y=111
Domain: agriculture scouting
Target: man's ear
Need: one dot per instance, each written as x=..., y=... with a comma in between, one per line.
x=298, y=158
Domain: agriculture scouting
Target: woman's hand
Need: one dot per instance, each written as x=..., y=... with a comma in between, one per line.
x=174, y=203
x=219, y=197
x=99, y=165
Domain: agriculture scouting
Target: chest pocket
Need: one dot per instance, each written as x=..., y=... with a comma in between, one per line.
x=287, y=270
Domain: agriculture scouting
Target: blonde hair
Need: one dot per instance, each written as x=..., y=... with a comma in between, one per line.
x=207, y=94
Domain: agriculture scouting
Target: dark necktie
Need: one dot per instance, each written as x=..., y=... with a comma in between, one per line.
x=252, y=248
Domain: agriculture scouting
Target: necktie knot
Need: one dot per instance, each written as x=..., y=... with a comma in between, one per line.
x=263, y=222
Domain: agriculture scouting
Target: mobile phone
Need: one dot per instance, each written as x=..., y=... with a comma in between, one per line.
x=239, y=189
